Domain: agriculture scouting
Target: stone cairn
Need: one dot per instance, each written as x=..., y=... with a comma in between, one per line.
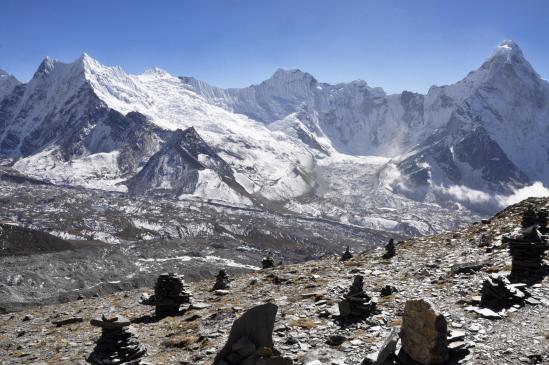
x=268, y=262
x=250, y=341
x=170, y=291
x=222, y=280
x=356, y=303
x=117, y=344
x=347, y=255
x=498, y=293
x=390, y=249
x=528, y=248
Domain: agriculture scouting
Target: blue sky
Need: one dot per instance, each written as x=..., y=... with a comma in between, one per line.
x=399, y=45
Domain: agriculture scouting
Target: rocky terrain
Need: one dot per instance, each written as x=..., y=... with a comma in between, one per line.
x=99, y=242
x=447, y=269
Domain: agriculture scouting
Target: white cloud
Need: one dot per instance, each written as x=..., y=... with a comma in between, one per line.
x=537, y=190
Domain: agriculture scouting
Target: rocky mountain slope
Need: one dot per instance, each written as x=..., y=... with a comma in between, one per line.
x=307, y=329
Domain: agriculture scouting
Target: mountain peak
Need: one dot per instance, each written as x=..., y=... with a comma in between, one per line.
x=508, y=51
x=291, y=75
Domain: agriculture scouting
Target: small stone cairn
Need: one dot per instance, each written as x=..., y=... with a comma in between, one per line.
x=268, y=262
x=250, y=341
x=222, y=280
x=528, y=248
x=498, y=293
x=390, y=249
x=170, y=291
x=347, y=255
x=356, y=303
x=117, y=344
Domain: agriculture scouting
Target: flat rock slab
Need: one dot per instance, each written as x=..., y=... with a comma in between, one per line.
x=111, y=322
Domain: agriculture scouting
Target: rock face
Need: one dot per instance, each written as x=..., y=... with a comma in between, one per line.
x=250, y=341
x=170, y=291
x=177, y=167
x=423, y=333
x=356, y=303
x=117, y=344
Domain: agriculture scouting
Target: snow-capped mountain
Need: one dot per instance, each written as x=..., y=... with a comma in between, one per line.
x=405, y=162
x=87, y=124
x=488, y=132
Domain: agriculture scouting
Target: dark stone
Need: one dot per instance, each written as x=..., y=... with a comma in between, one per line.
x=336, y=340
x=387, y=290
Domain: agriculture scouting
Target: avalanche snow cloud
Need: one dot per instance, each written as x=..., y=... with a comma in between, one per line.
x=404, y=162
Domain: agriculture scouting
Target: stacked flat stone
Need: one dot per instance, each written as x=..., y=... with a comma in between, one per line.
x=498, y=293
x=347, y=255
x=117, y=344
x=268, y=262
x=390, y=249
x=170, y=291
x=356, y=303
x=528, y=248
x=222, y=280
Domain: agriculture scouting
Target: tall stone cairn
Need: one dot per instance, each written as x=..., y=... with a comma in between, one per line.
x=170, y=291
x=528, y=248
x=117, y=344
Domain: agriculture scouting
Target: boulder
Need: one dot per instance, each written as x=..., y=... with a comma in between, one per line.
x=423, y=333
x=251, y=339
